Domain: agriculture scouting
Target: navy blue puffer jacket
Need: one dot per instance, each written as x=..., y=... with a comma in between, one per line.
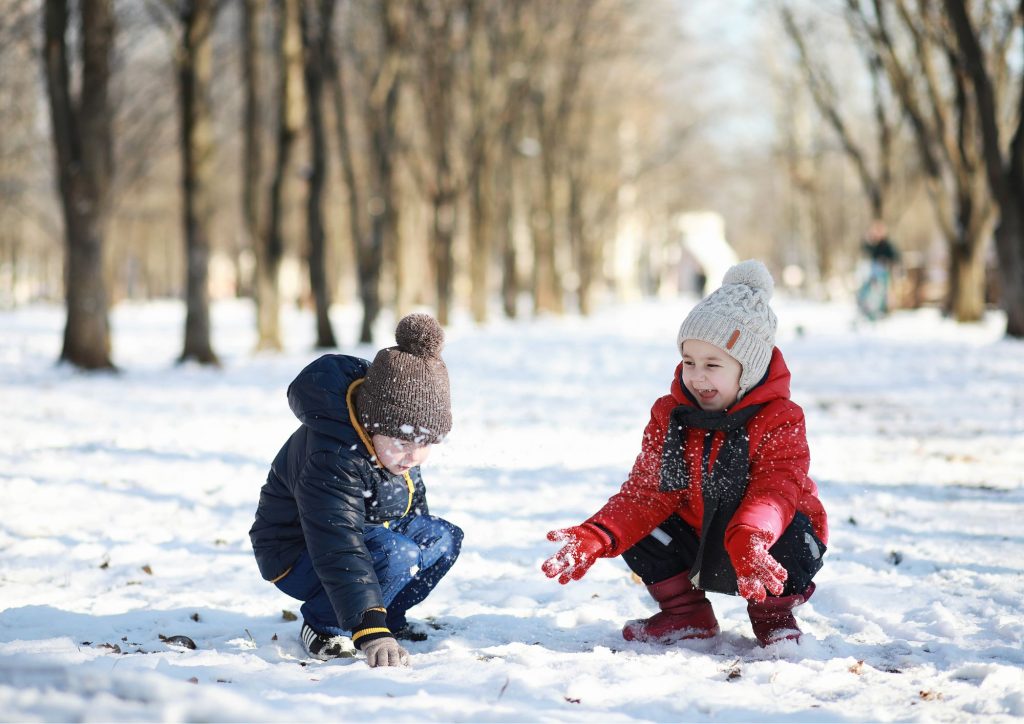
x=324, y=488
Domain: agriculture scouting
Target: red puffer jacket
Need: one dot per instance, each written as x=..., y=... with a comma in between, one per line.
x=779, y=458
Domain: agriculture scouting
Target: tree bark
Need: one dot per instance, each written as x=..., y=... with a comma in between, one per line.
x=82, y=137
x=195, y=71
x=315, y=36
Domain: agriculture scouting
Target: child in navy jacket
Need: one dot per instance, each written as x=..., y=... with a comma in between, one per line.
x=342, y=522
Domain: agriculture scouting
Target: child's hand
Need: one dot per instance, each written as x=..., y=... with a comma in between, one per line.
x=757, y=572
x=584, y=544
x=385, y=652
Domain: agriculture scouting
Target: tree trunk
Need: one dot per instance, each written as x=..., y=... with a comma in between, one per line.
x=314, y=42
x=584, y=251
x=84, y=155
x=195, y=69
x=438, y=52
x=505, y=190
x=382, y=121
x=1010, y=245
x=289, y=120
x=967, y=282
x=482, y=76
x=480, y=240
x=252, y=169
x=547, y=285
x=356, y=209
x=443, y=233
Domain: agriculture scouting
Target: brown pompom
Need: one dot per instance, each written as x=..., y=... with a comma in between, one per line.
x=420, y=335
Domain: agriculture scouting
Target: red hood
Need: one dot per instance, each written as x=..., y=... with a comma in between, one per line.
x=775, y=387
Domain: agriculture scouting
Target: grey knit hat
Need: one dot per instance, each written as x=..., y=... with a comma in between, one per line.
x=736, y=318
x=406, y=393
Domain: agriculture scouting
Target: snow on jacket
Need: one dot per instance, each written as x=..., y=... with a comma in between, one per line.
x=325, y=487
x=778, y=484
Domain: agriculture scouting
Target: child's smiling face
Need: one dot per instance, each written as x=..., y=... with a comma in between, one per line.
x=398, y=455
x=711, y=375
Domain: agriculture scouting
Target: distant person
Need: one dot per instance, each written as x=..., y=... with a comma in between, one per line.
x=342, y=522
x=873, y=294
x=719, y=498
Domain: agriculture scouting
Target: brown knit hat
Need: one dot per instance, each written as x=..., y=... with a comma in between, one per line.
x=406, y=393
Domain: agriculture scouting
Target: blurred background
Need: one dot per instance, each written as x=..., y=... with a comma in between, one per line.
x=504, y=158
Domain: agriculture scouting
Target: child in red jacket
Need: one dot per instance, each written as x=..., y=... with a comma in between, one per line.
x=719, y=498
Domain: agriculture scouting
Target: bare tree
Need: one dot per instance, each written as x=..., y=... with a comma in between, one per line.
x=937, y=104
x=1004, y=168
x=315, y=38
x=82, y=136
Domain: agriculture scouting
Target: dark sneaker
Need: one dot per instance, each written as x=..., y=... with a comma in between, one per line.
x=410, y=633
x=324, y=647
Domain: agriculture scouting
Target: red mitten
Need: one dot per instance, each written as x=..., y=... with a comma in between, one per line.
x=757, y=572
x=584, y=544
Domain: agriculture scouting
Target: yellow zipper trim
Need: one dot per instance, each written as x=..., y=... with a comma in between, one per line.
x=289, y=570
x=354, y=419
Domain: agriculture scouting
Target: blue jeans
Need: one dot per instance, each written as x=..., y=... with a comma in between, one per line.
x=409, y=558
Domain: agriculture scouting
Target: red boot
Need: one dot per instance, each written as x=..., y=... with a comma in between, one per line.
x=685, y=614
x=773, y=619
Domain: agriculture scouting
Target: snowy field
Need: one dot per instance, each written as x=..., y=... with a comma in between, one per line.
x=126, y=503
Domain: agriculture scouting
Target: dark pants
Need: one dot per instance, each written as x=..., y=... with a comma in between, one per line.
x=671, y=548
x=409, y=558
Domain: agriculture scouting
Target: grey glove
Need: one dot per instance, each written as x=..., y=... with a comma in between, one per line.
x=385, y=652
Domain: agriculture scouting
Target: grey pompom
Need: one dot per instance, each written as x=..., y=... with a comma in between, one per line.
x=420, y=335
x=753, y=274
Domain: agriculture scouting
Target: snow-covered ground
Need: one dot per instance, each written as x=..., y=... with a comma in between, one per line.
x=125, y=503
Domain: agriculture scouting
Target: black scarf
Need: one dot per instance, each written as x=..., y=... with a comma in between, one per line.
x=722, y=489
